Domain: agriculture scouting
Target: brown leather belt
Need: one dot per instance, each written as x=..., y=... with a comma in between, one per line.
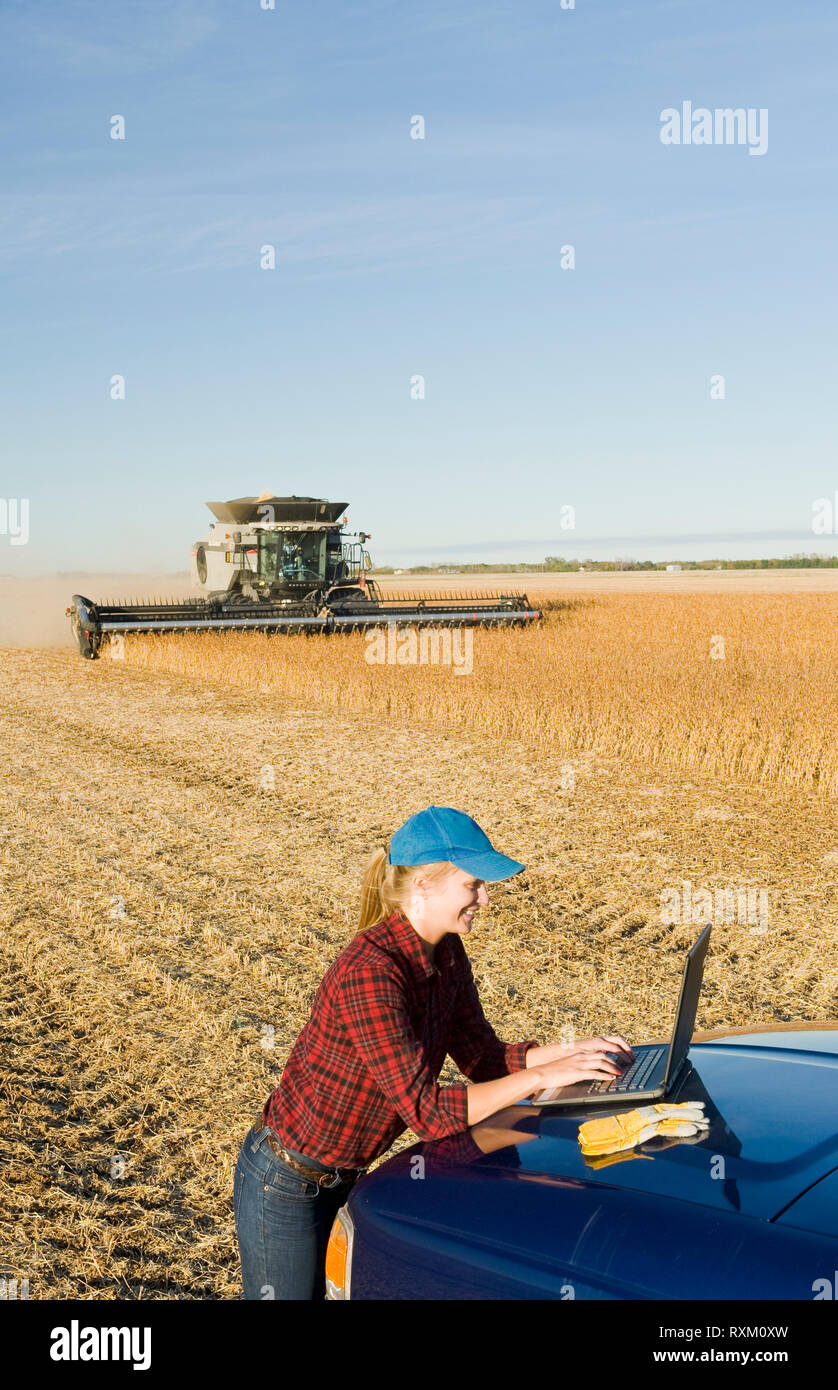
x=312, y=1174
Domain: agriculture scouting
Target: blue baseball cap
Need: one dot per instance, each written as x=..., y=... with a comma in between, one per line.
x=441, y=834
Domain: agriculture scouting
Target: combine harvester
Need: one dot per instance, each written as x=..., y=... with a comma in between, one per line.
x=286, y=564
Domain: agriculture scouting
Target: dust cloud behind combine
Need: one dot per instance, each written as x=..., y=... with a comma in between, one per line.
x=32, y=611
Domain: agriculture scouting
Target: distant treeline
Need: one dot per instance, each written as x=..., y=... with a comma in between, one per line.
x=557, y=564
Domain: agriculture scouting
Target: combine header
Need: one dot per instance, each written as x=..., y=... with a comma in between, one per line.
x=286, y=564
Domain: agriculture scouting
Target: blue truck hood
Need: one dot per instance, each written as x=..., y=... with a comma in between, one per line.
x=771, y=1097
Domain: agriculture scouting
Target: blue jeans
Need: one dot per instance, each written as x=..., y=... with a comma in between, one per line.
x=282, y=1222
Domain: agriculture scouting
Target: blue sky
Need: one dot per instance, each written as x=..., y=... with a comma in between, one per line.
x=544, y=387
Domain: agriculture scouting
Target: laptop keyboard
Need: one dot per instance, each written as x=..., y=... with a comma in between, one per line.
x=635, y=1078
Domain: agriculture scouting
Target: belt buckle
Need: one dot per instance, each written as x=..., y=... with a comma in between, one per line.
x=327, y=1179
x=310, y=1174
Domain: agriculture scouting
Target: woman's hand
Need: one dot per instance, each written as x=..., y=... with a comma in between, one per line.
x=554, y=1052
x=584, y=1064
x=612, y=1042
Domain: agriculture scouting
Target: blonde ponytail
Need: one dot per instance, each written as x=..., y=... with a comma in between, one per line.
x=371, y=886
x=384, y=886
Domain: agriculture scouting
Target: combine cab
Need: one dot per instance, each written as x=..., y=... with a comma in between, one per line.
x=285, y=564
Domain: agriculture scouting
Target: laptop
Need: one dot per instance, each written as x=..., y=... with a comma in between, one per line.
x=657, y=1070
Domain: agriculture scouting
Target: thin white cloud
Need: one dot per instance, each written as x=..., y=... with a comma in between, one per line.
x=562, y=544
x=211, y=234
x=138, y=38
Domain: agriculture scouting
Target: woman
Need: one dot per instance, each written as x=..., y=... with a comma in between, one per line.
x=365, y=1066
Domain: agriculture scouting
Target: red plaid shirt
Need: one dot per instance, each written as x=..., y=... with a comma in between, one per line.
x=365, y=1066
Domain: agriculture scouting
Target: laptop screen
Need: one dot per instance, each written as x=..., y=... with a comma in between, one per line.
x=687, y=1003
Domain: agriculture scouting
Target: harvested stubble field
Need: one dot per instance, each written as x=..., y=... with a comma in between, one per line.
x=170, y=907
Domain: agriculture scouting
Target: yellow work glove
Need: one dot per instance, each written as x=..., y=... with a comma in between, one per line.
x=616, y=1132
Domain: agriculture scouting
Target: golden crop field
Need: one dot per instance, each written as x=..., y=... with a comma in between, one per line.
x=185, y=829
x=740, y=685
